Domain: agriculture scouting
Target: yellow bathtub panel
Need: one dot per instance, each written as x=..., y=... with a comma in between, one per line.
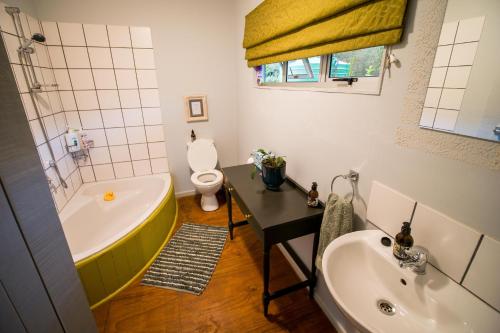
x=109, y=271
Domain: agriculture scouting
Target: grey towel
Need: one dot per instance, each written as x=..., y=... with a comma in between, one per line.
x=337, y=220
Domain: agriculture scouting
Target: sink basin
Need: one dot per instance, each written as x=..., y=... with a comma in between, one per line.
x=377, y=295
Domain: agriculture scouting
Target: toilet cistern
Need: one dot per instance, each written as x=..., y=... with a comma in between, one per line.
x=202, y=158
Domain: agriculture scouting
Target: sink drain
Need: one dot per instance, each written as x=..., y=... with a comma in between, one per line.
x=386, y=307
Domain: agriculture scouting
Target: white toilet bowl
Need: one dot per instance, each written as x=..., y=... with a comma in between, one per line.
x=202, y=158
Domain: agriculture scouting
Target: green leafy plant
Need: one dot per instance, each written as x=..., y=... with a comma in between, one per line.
x=269, y=160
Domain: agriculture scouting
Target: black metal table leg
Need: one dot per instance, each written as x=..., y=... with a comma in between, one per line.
x=230, y=224
x=265, y=295
x=312, y=277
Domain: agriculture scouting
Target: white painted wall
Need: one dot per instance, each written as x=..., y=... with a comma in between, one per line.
x=194, y=54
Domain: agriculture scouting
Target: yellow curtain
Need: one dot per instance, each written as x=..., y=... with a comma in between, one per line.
x=281, y=30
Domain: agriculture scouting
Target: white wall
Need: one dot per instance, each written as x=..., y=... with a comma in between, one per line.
x=194, y=54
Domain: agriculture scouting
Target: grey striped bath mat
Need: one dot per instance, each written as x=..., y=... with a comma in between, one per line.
x=188, y=260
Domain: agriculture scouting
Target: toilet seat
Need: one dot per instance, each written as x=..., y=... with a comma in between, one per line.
x=202, y=178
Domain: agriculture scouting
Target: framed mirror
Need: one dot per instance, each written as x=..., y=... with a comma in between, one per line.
x=463, y=94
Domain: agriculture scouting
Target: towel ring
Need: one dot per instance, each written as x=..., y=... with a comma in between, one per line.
x=353, y=177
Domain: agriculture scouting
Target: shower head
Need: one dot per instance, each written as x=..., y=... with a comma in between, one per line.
x=38, y=37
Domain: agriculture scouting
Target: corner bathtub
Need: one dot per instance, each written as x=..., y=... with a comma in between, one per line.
x=114, y=242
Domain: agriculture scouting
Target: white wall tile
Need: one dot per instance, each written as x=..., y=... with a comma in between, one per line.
x=91, y=119
x=132, y=117
x=51, y=33
x=147, y=78
x=6, y=22
x=44, y=154
x=76, y=57
x=448, y=32
x=55, y=101
x=104, y=172
x=159, y=165
x=149, y=97
x=96, y=34
x=56, y=56
x=62, y=79
x=463, y=54
x=87, y=174
x=457, y=77
x=34, y=24
x=136, y=134
x=129, y=98
x=388, y=208
x=119, y=36
x=50, y=126
x=73, y=119
x=437, y=77
x=42, y=55
x=152, y=116
x=71, y=34
x=126, y=79
x=81, y=79
x=86, y=100
x=24, y=23
x=157, y=149
x=57, y=148
x=442, y=56
x=70, y=163
x=108, y=99
x=59, y=198
x=427, y=118
x=139, y=151
x=119, y=153
x=451, y=99
x=100, y=57
x=68, y=100
x=51, y=173
x=29, y=108
x=99, y=155
x=112, y=118
x=123, y=170
x=432, y=97
x=450, y=243
x=144, y=59
x=141, y=37
x=22, y=85
x=42, y=101
x=99, y=137
x=11, y=45
x=104, y=78
x=141, y=167
x=60, y=119
x=76, y=179
x=36, y=130
x=446, y=119
x=484, y=272
x=154, y=133
x=122, y=58
x=469, y=30
x=116, y=136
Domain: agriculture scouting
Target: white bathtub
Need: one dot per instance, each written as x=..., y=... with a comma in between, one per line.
x=92, y=224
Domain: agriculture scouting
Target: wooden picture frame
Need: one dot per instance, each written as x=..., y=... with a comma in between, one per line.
x=196, y=108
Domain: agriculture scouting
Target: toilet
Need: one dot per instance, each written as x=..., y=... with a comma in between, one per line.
x=202, y=158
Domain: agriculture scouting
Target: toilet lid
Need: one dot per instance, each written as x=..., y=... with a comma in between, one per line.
x=202, y=155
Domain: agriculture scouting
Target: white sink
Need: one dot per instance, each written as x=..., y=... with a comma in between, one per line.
x=361, y=273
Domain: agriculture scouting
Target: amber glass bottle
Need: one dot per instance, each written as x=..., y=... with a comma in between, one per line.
x=403, y=241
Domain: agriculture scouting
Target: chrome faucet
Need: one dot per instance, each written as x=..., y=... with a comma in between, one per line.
x=416, y=260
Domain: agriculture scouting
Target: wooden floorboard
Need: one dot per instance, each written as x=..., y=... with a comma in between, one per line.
x=232, y=301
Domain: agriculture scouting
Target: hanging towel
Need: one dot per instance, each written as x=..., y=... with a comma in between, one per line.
x=337, y=220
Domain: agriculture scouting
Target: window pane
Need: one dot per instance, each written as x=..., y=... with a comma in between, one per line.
x=359, y=63
x=273, y=72
x=304, y=70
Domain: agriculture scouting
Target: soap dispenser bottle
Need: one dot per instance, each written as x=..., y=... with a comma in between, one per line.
x=403, y=242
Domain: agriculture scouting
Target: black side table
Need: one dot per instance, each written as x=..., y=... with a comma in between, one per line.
x=276, y=217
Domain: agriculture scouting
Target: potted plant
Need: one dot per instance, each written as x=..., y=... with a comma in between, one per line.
x=273, y=170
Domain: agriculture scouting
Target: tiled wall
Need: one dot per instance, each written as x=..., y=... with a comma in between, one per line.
x=462, y=253
x=52, y=116
x=452, y=65
x=107, y=87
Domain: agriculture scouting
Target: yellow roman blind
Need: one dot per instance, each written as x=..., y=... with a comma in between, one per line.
x=282, y=30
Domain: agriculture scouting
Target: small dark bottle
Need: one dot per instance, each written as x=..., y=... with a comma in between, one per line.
x=312, y=196
x=403, y=242
x=193, y=136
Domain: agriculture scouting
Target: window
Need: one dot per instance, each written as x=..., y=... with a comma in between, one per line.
x=358, y=71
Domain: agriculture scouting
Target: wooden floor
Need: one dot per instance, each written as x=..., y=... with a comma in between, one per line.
x=232, y=301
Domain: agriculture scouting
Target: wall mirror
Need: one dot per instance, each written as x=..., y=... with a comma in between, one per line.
x=463, y=94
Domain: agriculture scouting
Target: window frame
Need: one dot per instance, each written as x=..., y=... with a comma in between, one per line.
x=364, y=85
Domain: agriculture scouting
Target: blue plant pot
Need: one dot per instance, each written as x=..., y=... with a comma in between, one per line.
x=273, y=177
